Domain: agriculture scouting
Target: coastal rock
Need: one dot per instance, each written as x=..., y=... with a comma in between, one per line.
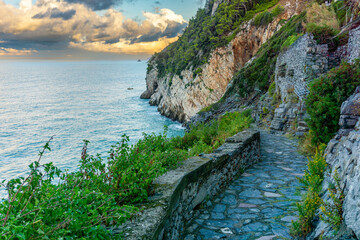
x=151, y=82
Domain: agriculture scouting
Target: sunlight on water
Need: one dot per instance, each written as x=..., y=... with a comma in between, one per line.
x=73, y=101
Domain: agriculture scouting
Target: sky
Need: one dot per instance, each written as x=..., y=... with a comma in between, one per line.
x=91, y=29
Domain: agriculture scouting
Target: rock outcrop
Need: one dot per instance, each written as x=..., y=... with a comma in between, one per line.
x=296, y=67
x=343, y=158
x=186, y=95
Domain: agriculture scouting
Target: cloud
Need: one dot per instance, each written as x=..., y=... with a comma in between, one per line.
x=15, y=52
x=56, y=13
x=96, y=4
x=99, y=4
x=50, y=24
x=125, y=47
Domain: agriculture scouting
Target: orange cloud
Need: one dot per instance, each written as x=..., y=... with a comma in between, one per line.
x=15, y=52
x=59, y=23
x=125, y=47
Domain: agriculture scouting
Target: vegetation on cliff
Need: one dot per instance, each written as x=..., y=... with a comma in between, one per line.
x=258, y=74
x=327, y=93
x=206, y=32
x=86, y=204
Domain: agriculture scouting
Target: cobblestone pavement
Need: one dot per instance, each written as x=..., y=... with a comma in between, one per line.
x=259, y=204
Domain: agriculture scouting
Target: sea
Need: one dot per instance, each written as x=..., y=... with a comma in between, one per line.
x=96, y=101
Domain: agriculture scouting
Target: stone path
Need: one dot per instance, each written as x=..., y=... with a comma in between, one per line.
x=260, y=204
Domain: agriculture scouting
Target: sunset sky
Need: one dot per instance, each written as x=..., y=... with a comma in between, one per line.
x=91, y=29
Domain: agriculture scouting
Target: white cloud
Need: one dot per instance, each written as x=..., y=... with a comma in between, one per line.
x=25, y=5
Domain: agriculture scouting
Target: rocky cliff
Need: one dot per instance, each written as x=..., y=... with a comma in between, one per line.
x=180, y=97
x=343, y=158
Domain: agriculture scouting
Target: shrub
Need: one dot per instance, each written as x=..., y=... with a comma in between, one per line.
x=323, y=24
x=289, y=41
x=327, y=93
x=263, y=18
x=313, y=179
x=267, y=17
x=206, y=137
x=277, y=11
x=102, y=193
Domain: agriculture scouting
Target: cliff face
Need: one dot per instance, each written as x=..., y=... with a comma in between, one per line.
x=343, y=158
x=181, y=97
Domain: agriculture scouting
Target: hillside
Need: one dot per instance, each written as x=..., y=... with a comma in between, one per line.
x=294, y=64
x=194, y=72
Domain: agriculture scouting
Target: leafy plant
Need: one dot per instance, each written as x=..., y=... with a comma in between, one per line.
x=289, y=41
x=332, y=212
x=313, y=179
x=327, y=93
x=267, y=17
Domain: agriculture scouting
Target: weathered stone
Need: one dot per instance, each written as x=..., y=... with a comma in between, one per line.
x=209, y=234
x=354, y=43
x=255, y=227
x=350, y=112
x=343, y=157
x=250, y=193
x=289, y=219
x=272, y=195
x=280, y=230
x=180, y=191
x=245, y=205
x=229, y=199
x=267, y=237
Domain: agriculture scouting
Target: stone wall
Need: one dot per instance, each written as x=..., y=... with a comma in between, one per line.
x=179, y=191
x=299, y=65
x=354, y=44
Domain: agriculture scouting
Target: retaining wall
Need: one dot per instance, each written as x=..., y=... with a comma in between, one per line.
x=180, y=191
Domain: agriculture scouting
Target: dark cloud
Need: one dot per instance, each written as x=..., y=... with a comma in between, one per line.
x=173, y=29
x=56, y=13
x=157, y=3
x=99, y=4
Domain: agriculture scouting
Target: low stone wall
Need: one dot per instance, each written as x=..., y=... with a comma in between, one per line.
x=179, y=191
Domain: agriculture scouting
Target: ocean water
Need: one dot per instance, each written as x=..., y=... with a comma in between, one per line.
x=96, y=100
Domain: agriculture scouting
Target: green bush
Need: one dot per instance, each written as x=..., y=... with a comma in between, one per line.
x=263, y=18
x=313, y=179
x=206, y=137
x=103, y=192
x=327, y=93
x=289, y=41
x=267, y=17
